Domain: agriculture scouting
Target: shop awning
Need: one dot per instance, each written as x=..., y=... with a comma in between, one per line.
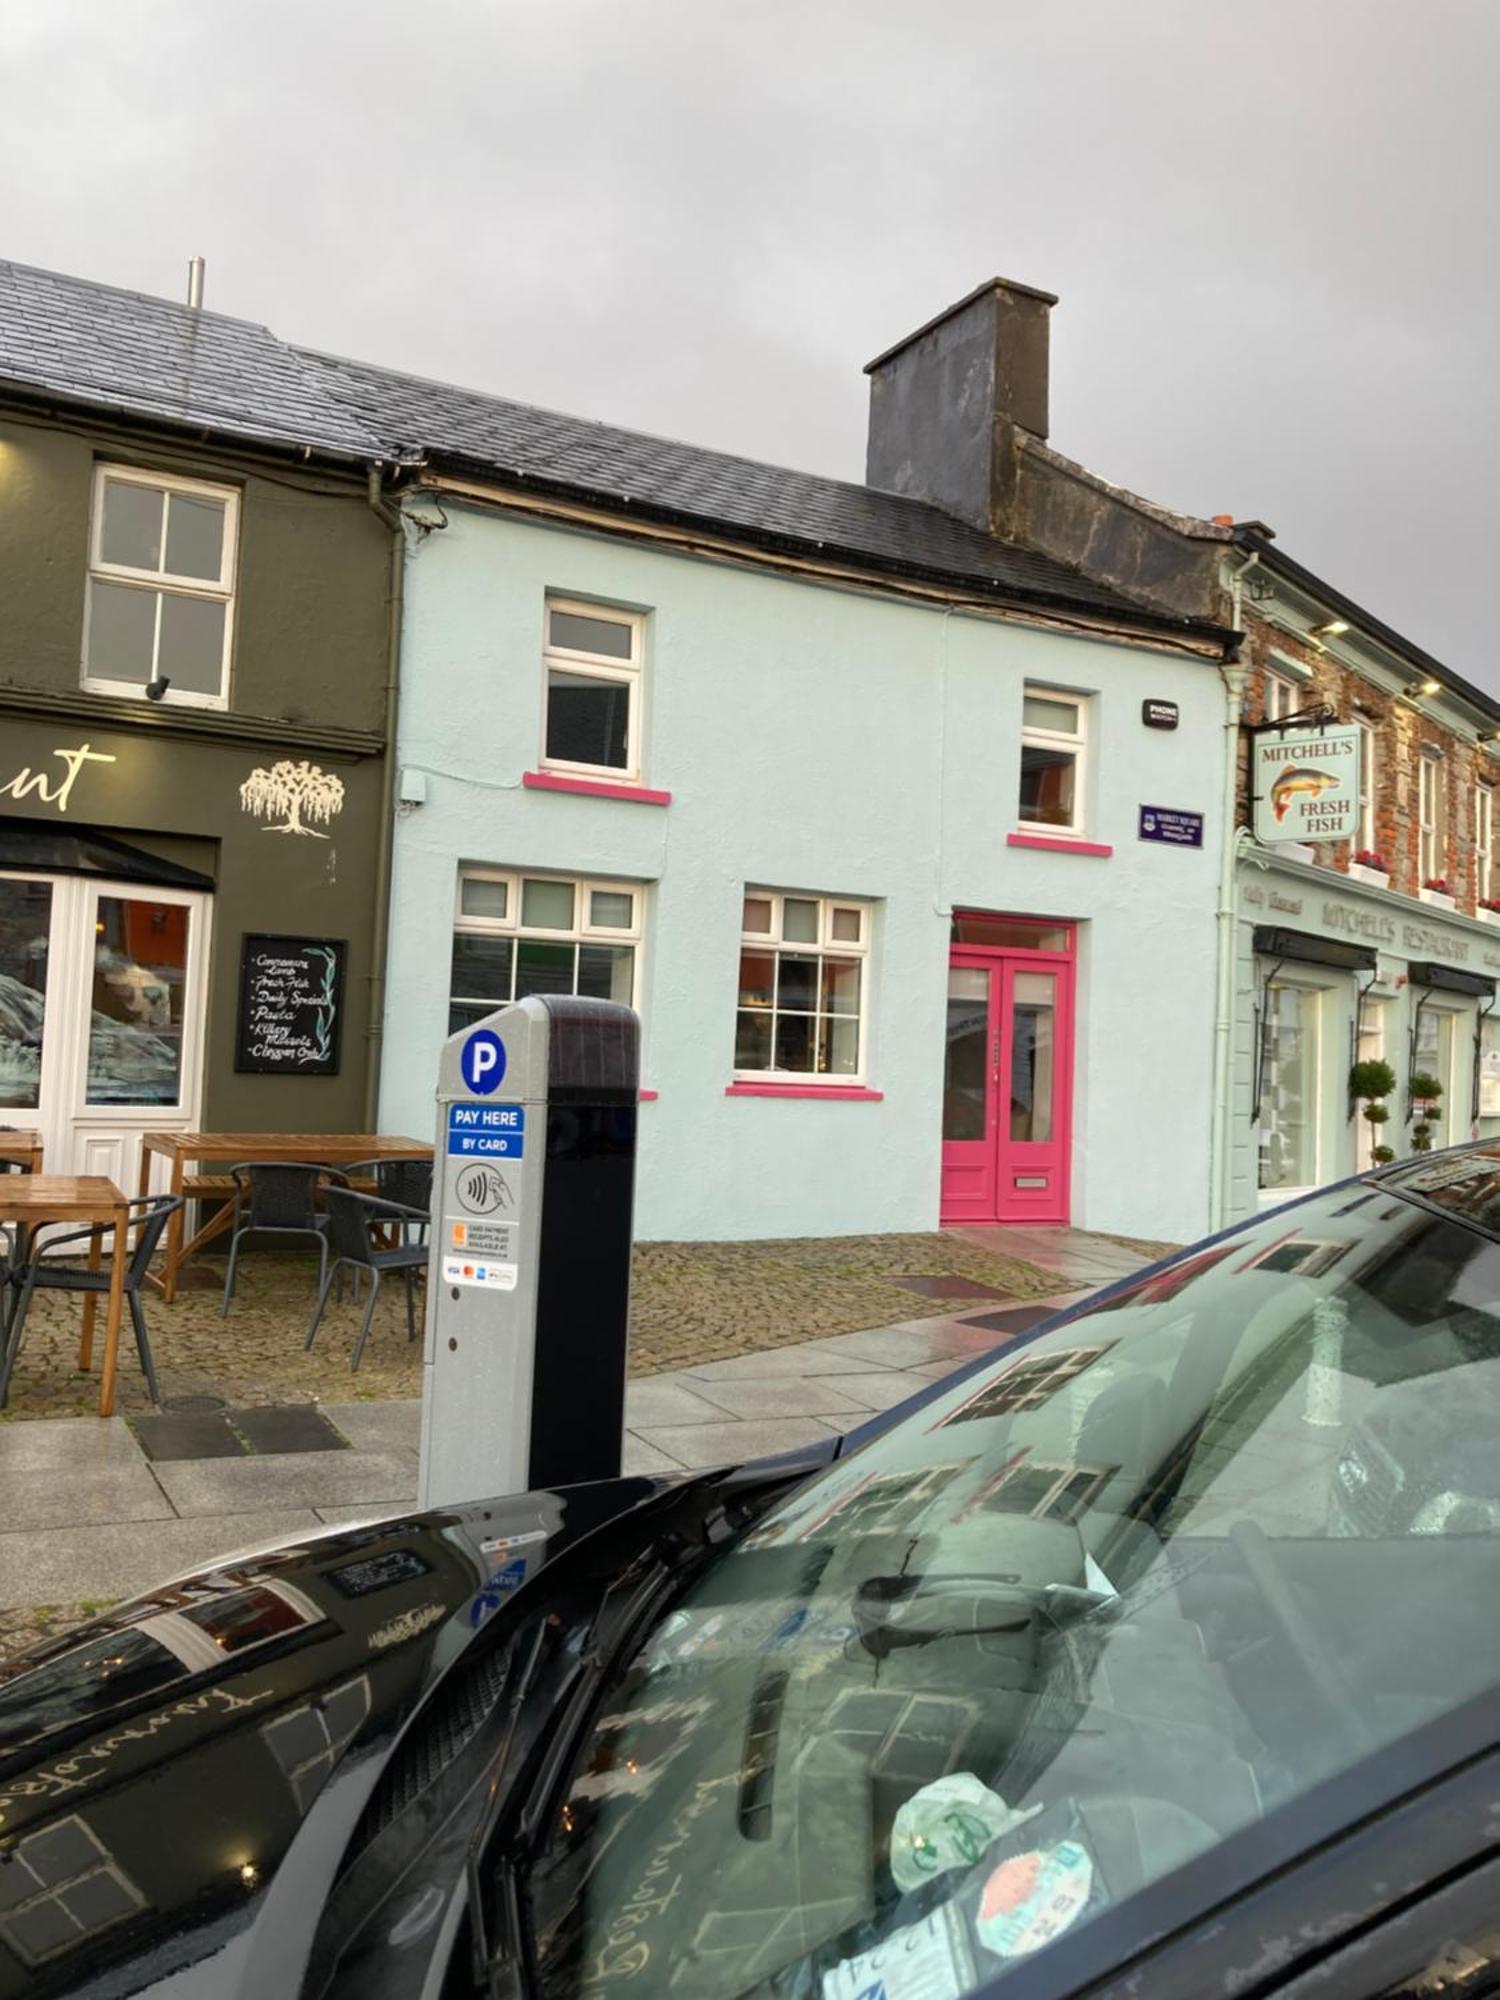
x=1307, y=948
x=1450, y=979
x=88, y=850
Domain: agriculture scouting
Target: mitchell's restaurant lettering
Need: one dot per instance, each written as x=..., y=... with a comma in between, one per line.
x=46, y=786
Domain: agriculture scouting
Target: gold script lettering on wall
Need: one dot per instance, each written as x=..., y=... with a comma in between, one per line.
x=47, y=787
x=287, y=791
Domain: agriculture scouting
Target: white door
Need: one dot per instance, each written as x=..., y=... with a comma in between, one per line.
x=101, y=1016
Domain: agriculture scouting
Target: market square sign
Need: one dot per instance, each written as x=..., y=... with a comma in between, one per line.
x=1305, y=784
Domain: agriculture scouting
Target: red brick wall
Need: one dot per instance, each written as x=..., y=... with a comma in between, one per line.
x=1401, y=730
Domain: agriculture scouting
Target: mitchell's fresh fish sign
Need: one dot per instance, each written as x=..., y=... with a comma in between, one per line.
x=1306, y=784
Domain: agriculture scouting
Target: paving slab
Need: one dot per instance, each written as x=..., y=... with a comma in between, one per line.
x=289, y=1479
x=786, y=1396
x=35, y=1499
x=700, y=1445
x=909, y=1347
x=662, y=1399
x=66, y=1447
x=393, y=1426
x=112, y=1560
x=642, y=1460
x=884, y=1388
x=811, y=1357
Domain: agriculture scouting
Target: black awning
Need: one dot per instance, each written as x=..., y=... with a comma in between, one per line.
x=1307, y=948
x=88, y=850
x=1450, y=979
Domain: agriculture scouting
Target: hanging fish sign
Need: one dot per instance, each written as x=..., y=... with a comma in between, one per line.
x=1306, y=784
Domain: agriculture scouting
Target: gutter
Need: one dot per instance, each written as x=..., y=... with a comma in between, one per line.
x=390, y=518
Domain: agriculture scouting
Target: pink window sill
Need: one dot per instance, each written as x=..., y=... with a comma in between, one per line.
x=594, y=788
x=847, y=1093
x=1058, y=845
x=647, y=1096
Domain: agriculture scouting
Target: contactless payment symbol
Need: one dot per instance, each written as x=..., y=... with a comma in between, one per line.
x=482, y=1062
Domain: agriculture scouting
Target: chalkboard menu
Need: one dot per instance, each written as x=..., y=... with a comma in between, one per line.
x=291, y=1006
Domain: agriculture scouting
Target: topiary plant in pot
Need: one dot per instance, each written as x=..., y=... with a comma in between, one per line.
x=1370, y=1083
x=1426, y=1089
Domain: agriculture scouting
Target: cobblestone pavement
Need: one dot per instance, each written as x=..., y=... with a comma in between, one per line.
x=693, y=1303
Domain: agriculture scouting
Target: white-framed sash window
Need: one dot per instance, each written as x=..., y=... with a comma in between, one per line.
x=1484, y=842
x=1432, y=814
x=1054, y=749
x=159, y=613
x=591, y=696
x=804, y=988
x=516, y=933
x=1291, y=1063
x=1369, y=774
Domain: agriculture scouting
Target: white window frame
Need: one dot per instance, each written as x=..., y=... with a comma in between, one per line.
x=1484, y=840
x=1369, y=778
x=1273, y=1197
x=599, y=667
x=583, y=930
x=1432, y=818
x=166, y=583
x=826, y=947
x=1283, y=696
x=1049, y=739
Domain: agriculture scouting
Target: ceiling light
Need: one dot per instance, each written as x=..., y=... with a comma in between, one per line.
x=1416, y=688
x=1335, y=628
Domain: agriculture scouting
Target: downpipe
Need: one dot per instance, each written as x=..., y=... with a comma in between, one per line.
x=1235, y=675
x=385, y=840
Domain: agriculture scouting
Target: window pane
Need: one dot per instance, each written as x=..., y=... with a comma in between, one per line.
x=1047, y=785
x=547, y=906
x=841, y=986
x=195, y=537
x=977, y=927
x=796, y=1041
x=131, y=534
x=965, y=1057
x=25, y=927
x=799, y=920
x=611, y=909
x=839, y=1047
x=481, y=967
x=481, y=896
x=1289, y=1101
x=758, y=915
x=140, y=967
x=1037, y=712
x=797, y=982
x=588, y=721
x=122, y=631
x=544, y=968
x=1031, y=1049
x=752, y=1041
x=192, y=643
x=608, y=636
x=757, y=978
x=607, y=972
x=845, y=926
x=463, y=1014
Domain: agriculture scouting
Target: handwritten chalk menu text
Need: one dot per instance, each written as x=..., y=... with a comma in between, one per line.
x=291, y=1006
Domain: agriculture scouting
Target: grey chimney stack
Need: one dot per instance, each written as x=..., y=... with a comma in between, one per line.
x=946, y=403
x=195, y=282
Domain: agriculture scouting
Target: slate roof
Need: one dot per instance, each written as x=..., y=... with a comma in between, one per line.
x=885, y=532
x=151, y=358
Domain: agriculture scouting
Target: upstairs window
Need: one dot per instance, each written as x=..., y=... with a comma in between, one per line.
x=803, y=1000
x=1432, y=814
x=160, y=588
x=1054, y=733
x=1484, y=842
x=515, y=934
x=1369, y=777
x=593, y=691
x=1283, y=697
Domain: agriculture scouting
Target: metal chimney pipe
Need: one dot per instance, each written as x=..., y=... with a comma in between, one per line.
x=195, y=281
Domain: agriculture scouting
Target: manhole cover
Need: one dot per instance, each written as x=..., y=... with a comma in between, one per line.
x=949, y=1285
x=190, y=1405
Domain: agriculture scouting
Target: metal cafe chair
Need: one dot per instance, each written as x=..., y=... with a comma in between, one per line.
x=278, y=1197
x=408, y=1182
x=44, y=1271
x=356, y=1223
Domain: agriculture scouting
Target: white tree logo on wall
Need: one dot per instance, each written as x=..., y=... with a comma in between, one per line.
x=288, y=791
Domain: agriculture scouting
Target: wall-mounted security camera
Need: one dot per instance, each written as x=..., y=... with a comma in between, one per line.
x=156, y=688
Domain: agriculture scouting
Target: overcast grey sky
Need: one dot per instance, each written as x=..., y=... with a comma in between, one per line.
x=1273, y=227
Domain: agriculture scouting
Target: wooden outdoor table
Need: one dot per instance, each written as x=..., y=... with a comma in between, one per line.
x=322, y=1149
x=33, y=1199
x=23, y=1146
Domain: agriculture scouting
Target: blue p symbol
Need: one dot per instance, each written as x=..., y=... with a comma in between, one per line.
x=482, y=1063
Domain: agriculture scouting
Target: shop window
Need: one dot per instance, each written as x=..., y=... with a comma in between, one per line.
x=1370, y=1047
x=161, y=587
x=592, y=664
x=1489, y=1066
x=515, y=934
x=803, y=987
x=1432, y=814
x=1369, y=753
x=1435, y=1047
x=1484, y=840
x=1054, y=731
x=1290, y=1062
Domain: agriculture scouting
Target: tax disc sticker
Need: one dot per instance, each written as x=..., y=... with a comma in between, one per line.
x=1032, y=1898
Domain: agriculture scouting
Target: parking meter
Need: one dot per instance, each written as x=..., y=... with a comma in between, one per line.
x=528, y=1293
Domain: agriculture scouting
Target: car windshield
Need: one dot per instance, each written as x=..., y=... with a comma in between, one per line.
x=1101, y=1605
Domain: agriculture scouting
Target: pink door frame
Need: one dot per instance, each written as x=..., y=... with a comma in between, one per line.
x=997, y=1178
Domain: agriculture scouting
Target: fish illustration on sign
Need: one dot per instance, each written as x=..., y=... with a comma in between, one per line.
x=1298, y=781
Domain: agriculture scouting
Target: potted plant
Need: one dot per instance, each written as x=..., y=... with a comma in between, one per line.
x=1425, y=1089
x=1370, y=1083
x=1369, y=865
x=1489, y=909
x=1438, y=889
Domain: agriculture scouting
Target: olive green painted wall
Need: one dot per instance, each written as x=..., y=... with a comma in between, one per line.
x=309, y=626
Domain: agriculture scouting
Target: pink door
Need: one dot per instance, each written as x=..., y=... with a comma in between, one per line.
x=1007, y=1086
